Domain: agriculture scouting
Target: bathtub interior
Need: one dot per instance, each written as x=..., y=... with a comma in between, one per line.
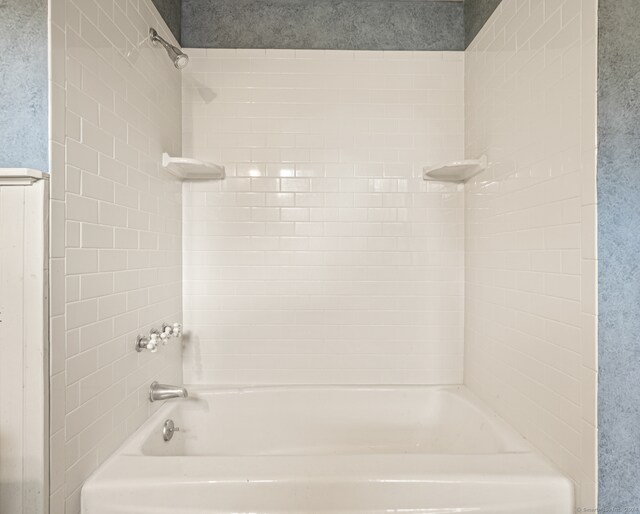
x=328, y=421
x=328, y=450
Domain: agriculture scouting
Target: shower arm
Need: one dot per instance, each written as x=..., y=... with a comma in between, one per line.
x=177, y=56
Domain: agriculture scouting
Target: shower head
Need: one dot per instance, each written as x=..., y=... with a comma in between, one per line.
x=177, y=56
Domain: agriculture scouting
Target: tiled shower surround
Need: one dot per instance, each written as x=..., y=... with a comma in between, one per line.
x=115, y=230
x=530, y=315
x=323, y=257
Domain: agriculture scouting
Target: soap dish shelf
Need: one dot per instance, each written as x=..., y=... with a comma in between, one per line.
x=192, y=169
x=459, y=171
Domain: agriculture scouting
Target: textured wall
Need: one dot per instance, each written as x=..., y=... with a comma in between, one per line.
x=619, y=248
x=281, y=27
x=324, y=24
x=23, y=84
x=323, y=257
x=530, y=313
x=115, y=231
x=171, y=12
x=476, y=14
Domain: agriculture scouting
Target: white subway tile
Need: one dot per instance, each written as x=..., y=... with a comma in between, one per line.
x=295, y=221
x=531, y=224
x=116, y=199
x=96, y=236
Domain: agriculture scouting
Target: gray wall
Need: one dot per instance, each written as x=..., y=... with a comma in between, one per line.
x=476, y=13
x=619, y=253
x=171, y=12
x=24, y=117
x=326, y=24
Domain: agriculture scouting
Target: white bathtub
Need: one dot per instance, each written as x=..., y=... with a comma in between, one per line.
x=344, y=449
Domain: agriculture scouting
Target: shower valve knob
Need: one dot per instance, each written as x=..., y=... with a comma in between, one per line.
x=152, y=345
x=164, y=337
x=167, y=333
x=174, y=330
x=156, y=338
x=146, y=343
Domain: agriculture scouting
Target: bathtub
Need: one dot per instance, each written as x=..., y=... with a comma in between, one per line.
x=342, y=449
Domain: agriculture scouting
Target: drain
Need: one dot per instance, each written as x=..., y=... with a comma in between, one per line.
x=168, y=429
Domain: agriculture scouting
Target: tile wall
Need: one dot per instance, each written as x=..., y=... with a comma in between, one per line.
x=116, y=230
x=530, y=320
x=323, y=257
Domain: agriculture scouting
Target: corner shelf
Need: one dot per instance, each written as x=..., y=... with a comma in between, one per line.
x=192, y=169
x=20, y=176
x=459, y=171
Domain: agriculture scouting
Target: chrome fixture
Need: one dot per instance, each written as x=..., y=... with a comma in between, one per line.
x=158, y=392
x=157, y=337
x=174, y=330
x=146, y=343
x=177, y=56
x=168, y=430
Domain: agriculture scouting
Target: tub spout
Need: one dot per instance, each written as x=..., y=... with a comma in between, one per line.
x=159, y=392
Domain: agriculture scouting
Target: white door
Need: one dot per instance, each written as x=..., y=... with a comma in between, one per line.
x=23, y=342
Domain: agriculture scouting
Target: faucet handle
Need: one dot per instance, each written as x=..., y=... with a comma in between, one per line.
x=174, y=330
x=167, y=331
x=152, y=345
x=164, y=337
x=154, y=339
x=146, y=343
